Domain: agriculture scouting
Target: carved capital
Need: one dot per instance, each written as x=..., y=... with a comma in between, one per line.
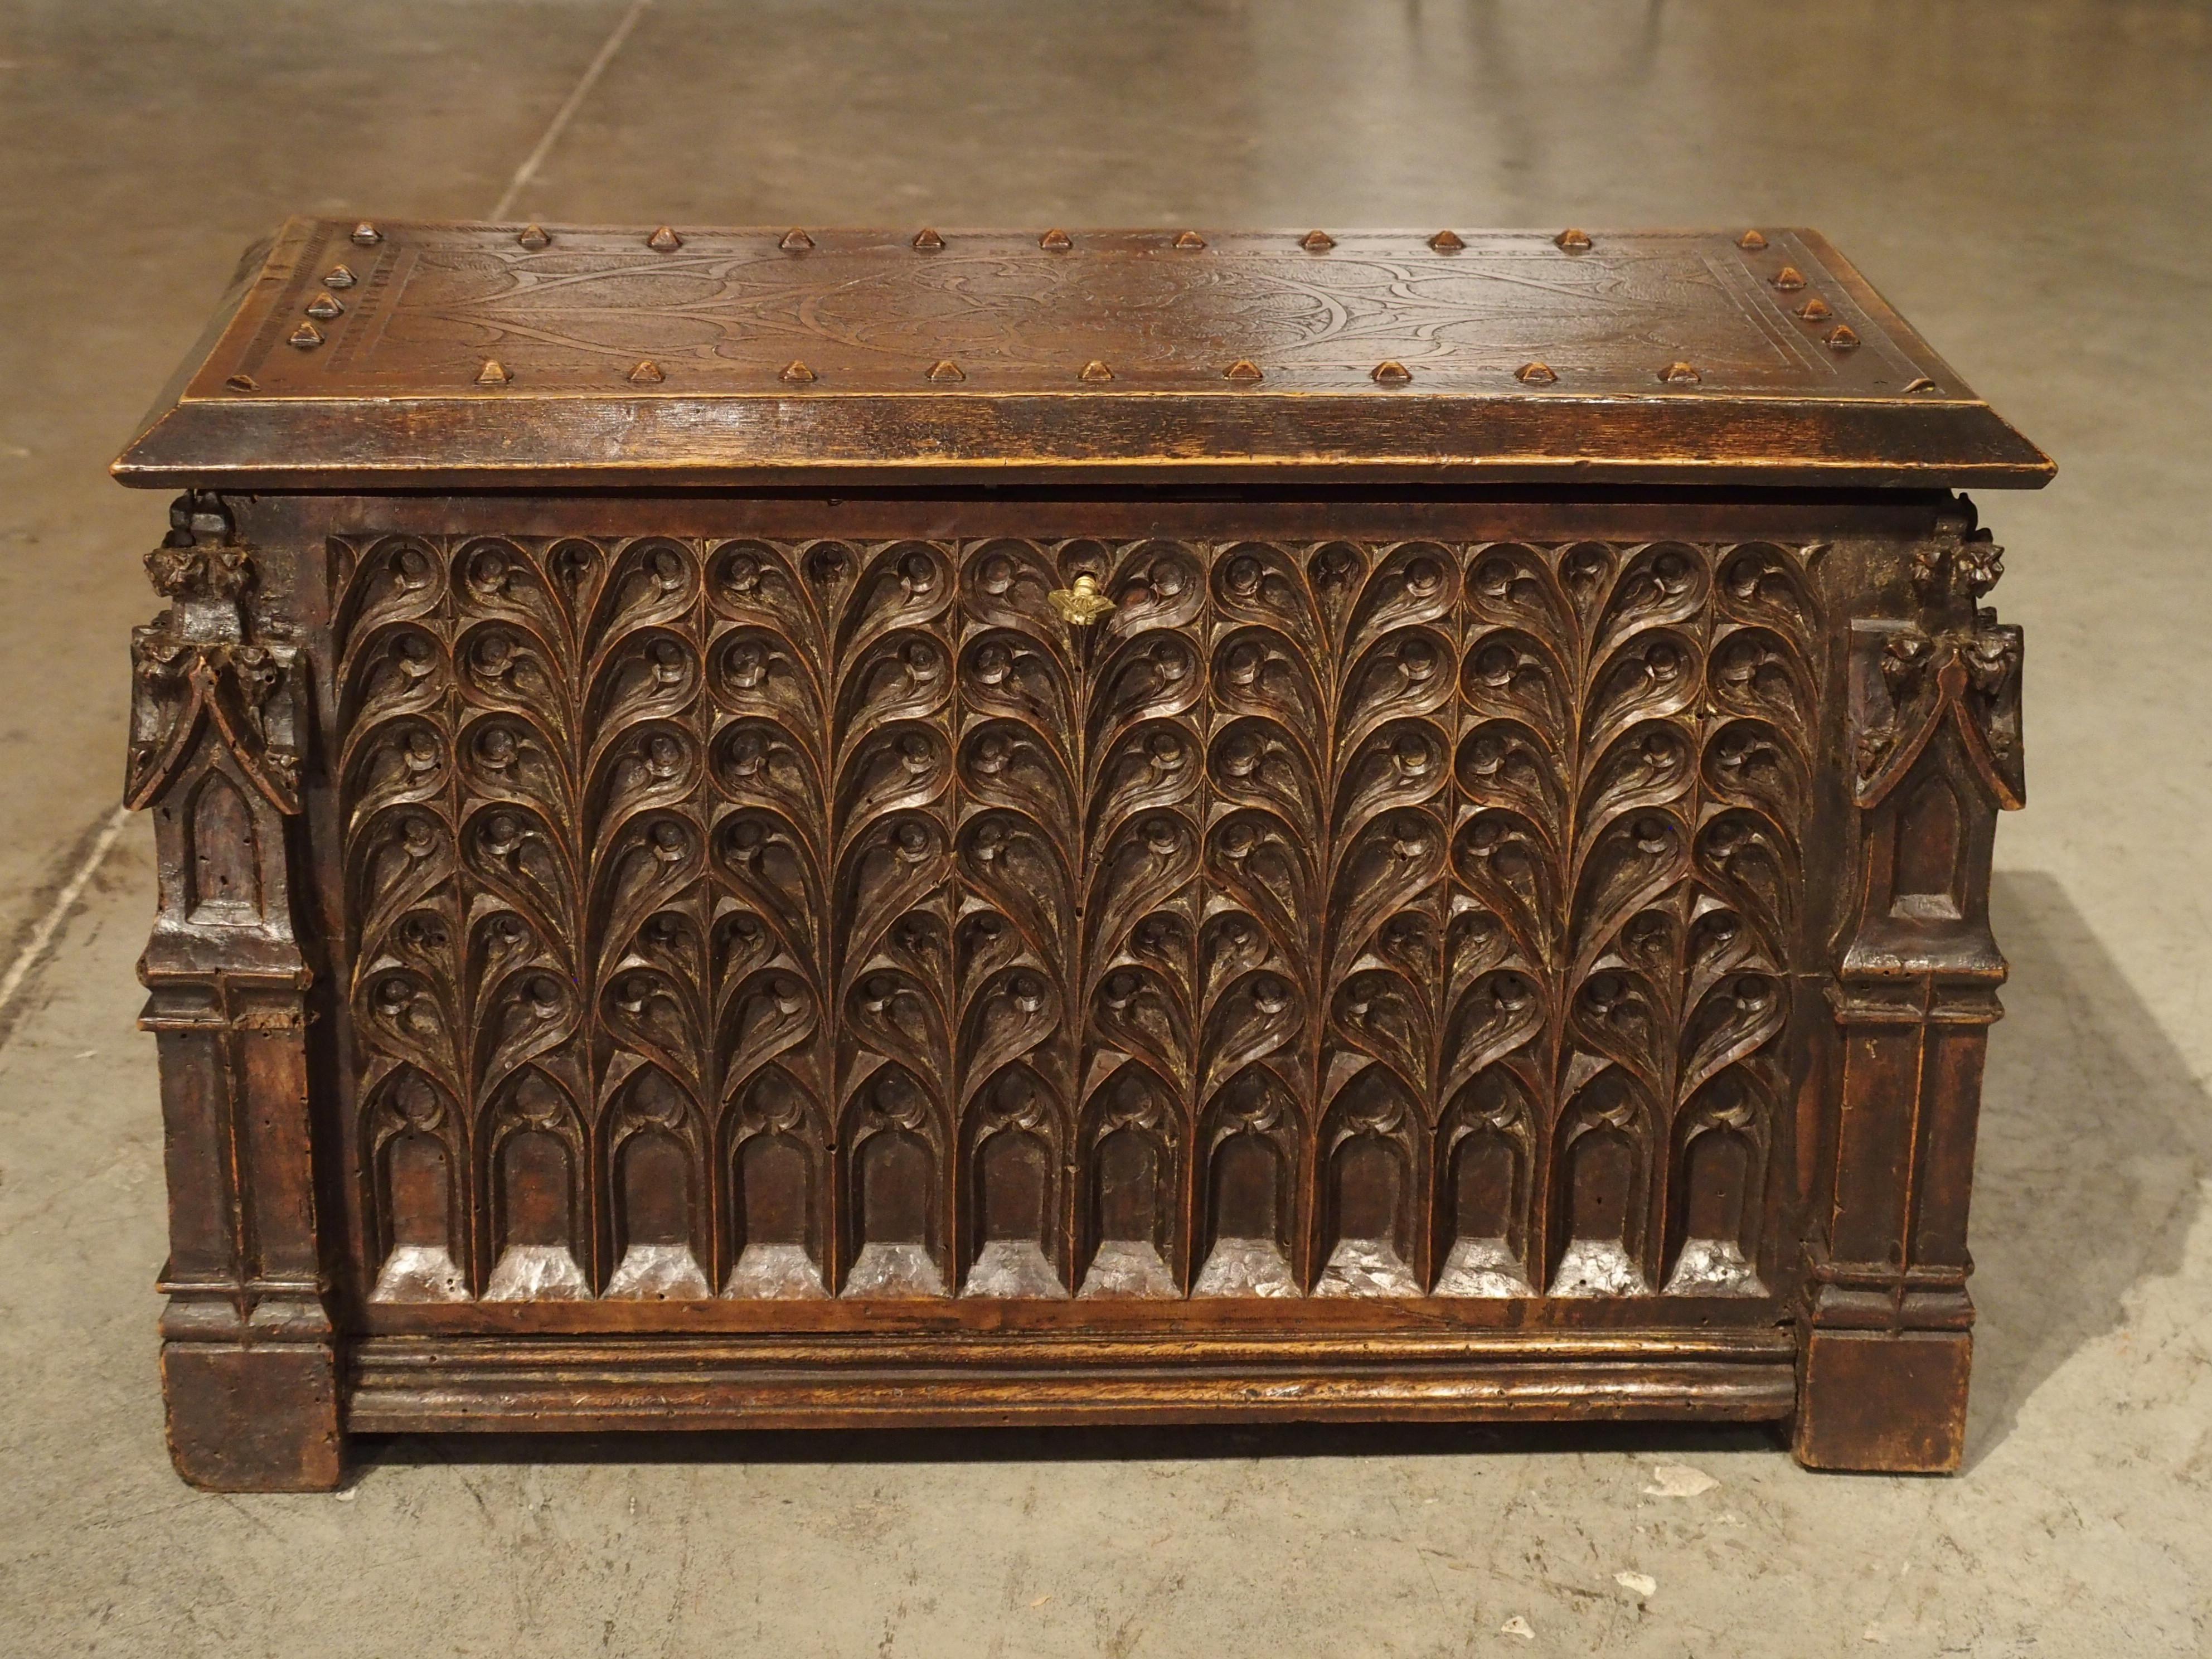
x=1952, y=662
x=209, y=670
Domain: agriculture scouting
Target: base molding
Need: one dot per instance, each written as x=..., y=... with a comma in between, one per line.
x=437, y=1384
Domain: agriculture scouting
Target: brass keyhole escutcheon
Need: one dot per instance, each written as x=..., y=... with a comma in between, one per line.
x=1082, y=605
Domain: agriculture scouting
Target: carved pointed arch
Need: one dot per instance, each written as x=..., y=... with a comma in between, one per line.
x=776, y=1159
x=532, y=1164
x=654, y=1185
x=1372, y=1175
x=416, y=1170
x=1484, y=1185
x=1602, y=1158
x=895, y=1159
x=1716, y=1187
x=1130, y=1236
x=1250, y=1176
x=1012, y=1197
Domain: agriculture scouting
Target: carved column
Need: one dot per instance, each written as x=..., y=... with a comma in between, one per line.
x=248, y=1361
x=1934, y=724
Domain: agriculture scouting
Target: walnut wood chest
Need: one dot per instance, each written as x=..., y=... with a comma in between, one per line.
x=844, y=827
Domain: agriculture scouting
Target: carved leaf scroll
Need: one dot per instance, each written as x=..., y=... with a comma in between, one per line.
x=826, y=917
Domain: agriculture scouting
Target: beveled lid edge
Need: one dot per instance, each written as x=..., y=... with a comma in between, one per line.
x=237, y=441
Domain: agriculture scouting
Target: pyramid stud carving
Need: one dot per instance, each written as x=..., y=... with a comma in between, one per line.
x=326, y=307
x=796, y=372
x=926, y=241
x=1243, y=370
x=1391, y=373
x=247, y=383
x=306, y=336
x=664, y=241
x=796, y=241
x=1840, y=338
x=339, y=277
x=1680, y=374
x=1095, y=371
x=946, y=370
x=1190, y=239
x=1814, y=309
x=1751, y=241
x=648, y=372
x=1446, y=241
x=1921, y=383
x=1317, y=241
x=1788, y=279
x=367, y=235
x=1055, y=241
x=533, y=237
x=1572, y=240
x=1536, y=374
x=493, y=373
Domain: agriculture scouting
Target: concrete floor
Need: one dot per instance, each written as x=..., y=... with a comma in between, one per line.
x=2031, y=183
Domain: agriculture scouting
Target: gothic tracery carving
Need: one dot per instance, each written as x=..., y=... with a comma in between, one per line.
x=1369, y=918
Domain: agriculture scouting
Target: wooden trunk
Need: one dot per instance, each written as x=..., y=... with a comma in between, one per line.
x=832, y=829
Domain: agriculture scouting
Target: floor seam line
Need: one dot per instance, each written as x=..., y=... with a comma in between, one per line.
x=42, y=936
x=528, y=171
x=49, y=927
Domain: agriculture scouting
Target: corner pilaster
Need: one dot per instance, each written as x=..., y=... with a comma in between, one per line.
x=248, y=1352
x=1933, y=722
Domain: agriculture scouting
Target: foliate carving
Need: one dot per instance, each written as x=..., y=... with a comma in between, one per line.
x=208, y=663
x=815, y=917
x=1953, y=659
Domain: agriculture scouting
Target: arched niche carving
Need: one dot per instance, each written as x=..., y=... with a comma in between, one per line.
x=1369, y=1190
x=417, y=1195
x=895, y=1199
x=224, y=870
x=1716, y=1192
x=1599, y=1189
x=655, y=1193
x=1128, y=1233
x=1931, y=833
x=1483, y=1186
x=533, y=1155
x=774, y=1163
x=1249, y=1192
x=1011, y=1156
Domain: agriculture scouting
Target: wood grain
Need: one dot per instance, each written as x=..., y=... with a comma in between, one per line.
x=977, y=948
x=454, y=352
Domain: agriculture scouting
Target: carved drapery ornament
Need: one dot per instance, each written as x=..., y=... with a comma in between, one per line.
x=202, y=670
x=1945, y=665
